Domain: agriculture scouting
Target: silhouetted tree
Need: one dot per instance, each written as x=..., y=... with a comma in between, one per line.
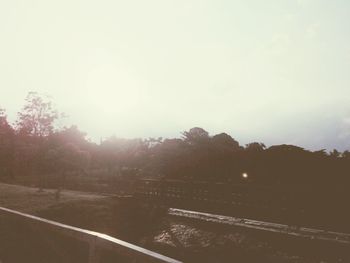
x=225, y=140
x=37, y=117
x=255, y=146
x=171, y=159
x=66, y=159
x=195, y=135
x=346, y=154
x=334, y=153
x=34, y=124
x=320, y=153
x=6, y=146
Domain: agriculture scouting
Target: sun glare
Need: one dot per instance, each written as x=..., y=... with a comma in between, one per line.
x=112, y=90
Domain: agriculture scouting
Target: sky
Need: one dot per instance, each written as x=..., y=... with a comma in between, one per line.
x=274, y=71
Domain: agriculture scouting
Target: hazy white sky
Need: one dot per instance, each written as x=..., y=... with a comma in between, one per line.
x=276, y=71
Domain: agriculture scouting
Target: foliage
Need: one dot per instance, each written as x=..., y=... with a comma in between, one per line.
x=36, y=150
x=6, y=146
x=37, y=116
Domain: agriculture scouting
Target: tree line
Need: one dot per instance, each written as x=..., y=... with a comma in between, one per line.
x=34, y=150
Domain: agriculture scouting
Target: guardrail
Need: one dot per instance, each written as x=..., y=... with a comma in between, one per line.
x=95, y=241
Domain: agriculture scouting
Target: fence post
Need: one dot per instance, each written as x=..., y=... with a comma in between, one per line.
x=93, y=251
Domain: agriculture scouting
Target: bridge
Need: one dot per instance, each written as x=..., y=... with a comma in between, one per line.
x=300, y=207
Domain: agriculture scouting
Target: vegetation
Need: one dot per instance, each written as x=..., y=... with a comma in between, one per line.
x=28, y=200
x=34, y=151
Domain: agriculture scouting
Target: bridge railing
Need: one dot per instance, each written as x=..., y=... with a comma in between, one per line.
x=64, y=241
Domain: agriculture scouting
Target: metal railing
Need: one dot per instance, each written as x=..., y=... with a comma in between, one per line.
x=96, y=242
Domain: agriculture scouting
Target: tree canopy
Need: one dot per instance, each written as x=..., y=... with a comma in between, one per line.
x=34, y=147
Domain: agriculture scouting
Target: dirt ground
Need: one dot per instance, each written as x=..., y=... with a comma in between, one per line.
x=30, y=200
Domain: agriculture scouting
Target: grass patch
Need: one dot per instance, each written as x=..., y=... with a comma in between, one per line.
x=29, y=200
